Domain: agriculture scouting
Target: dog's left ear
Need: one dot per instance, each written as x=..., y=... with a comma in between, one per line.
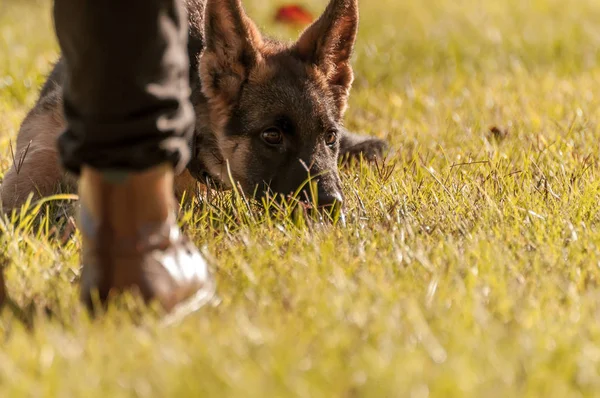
x=328, y=44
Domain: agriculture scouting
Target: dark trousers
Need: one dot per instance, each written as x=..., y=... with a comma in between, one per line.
x=126, y=90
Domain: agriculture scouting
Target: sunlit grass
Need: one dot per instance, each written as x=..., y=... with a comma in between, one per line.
x=468, y=266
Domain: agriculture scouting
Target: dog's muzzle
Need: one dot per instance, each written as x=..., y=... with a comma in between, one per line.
x=197, y=168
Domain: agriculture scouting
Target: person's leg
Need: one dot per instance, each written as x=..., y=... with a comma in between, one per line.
x=129, y=122
x=126, y=89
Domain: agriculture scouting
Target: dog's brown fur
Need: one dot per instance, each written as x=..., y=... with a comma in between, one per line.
x=242, y=83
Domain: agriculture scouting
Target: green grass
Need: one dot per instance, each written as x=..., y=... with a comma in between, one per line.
x=472, y=269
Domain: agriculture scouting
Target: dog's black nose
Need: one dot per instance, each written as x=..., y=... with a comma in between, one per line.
x=323, y=199
x=329, y=199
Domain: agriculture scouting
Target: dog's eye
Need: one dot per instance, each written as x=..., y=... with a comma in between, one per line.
x=331, y=138
x=272, y=136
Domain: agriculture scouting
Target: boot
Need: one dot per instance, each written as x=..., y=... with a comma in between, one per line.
x=131, y=240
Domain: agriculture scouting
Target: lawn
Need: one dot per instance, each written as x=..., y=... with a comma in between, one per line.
x=469, y=264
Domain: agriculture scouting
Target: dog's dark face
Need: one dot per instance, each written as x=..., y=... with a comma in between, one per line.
x=275, y=110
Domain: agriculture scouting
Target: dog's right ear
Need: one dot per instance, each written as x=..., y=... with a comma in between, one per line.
x=232, y=49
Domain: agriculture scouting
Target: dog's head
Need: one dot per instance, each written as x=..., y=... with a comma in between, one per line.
x=275, y=110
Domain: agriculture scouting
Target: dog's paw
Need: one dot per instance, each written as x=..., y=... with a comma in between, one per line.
x=353, y=146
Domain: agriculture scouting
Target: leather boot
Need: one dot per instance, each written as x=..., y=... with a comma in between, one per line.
x=131, y=240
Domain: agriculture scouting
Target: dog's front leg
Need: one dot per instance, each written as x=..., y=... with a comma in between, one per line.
x=354, y=145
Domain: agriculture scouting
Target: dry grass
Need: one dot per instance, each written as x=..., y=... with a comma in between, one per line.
x=468, y=267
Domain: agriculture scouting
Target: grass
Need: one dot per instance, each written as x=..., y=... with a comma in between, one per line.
x=469, y=265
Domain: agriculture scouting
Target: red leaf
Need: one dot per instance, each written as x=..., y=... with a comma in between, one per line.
x=293, y=15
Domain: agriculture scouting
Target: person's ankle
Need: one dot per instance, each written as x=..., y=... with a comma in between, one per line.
x=127, y=198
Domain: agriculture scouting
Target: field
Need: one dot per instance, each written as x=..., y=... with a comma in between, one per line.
x=469, y=264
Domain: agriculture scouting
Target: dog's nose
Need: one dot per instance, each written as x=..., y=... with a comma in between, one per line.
x=329, y=199
x=325, y=198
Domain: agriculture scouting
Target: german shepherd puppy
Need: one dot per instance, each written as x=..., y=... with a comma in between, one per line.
x=269, y=114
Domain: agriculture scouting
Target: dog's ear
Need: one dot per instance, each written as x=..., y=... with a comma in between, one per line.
x=353, y=146
x=232, y=48
x=328, y=44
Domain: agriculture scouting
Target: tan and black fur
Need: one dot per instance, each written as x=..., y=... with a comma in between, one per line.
x=243, y=85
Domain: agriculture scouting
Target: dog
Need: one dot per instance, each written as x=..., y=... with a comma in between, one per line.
x=269, y=115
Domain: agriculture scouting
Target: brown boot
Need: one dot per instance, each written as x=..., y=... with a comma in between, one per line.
x=131, y=240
